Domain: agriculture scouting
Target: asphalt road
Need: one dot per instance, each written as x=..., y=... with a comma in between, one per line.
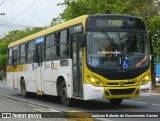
x=142, y=104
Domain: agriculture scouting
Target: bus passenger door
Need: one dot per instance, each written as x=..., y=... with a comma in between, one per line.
x=38, y=67
x=77, y=53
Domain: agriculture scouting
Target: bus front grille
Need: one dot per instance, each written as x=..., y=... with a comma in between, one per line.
x=122, y=91
x=117, y=84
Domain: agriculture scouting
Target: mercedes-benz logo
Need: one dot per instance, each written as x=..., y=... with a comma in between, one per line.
x=121, y=83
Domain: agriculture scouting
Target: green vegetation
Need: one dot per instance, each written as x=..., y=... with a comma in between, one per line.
x=144, y=8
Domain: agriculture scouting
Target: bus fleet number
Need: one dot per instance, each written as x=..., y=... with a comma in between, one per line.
x=132, y=80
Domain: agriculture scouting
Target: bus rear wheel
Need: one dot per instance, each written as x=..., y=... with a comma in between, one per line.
x=24, y=93
x=115, y=101
x=64, y=99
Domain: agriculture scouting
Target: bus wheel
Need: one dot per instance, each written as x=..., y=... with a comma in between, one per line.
x=115, y=101
x=24, y=93
x=64, y=99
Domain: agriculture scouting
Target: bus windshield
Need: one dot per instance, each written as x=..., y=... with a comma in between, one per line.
x=117, y=50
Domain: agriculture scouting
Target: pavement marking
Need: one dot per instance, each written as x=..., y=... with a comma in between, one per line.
x=136, y=102
x=76, y=115
x=46, y=110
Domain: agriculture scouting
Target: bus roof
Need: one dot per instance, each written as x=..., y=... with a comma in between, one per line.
x=72, y=22
x=115, y=15
x=75, y=21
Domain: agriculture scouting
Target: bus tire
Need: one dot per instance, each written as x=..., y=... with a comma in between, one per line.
x=24, y=93
x=64, y=99
x=115, y=101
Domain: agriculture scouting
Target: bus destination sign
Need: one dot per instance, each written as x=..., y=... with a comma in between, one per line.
x=115, y=22
x=110, y=23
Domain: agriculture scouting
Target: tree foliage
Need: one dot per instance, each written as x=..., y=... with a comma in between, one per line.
x=144, y=8
x=11, y=37
x=154, y=26
x=56, y=21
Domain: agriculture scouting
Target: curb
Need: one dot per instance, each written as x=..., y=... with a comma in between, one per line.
x=155, y=94
x=32, y=103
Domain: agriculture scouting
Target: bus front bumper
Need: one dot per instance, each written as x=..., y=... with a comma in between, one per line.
x=145, y=90
x=92, y=92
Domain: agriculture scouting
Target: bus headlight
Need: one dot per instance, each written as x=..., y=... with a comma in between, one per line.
x=145, y=80
x=96, y=82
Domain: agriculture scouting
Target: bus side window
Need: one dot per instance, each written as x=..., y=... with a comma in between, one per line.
x=57, y=42
x=31, y=51
x=15, y=56
x=50, y=48
x=22, y=53
x=10, y=57
x=64, y=44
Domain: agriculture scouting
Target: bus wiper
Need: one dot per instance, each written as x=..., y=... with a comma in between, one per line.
x=108, y=38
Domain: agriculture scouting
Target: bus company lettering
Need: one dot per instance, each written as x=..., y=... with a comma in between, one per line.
x=46, y=65
x=54, y=66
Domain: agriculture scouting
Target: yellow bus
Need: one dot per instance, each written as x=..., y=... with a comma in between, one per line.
x=89, y=57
